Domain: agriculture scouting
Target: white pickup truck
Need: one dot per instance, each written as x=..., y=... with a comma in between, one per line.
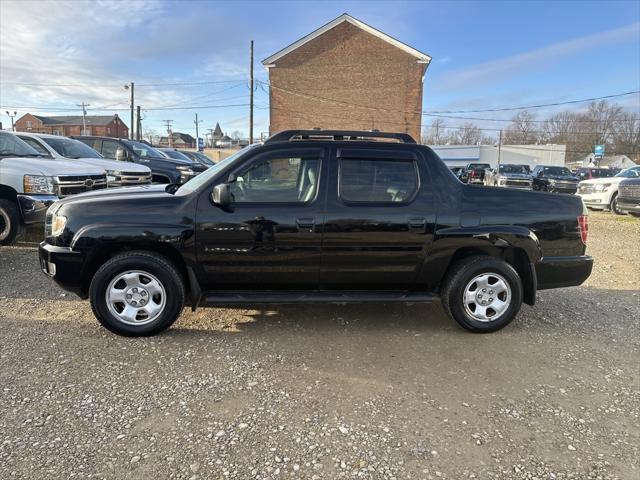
x=119, y=174
x=29, y=183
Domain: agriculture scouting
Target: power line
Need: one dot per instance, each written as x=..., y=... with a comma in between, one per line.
x=119, y=85
x=193, y=107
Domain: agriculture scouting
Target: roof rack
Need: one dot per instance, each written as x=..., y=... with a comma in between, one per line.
x=337, y=135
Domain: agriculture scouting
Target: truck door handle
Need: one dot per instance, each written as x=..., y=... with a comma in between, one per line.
x=418, y=225
x=305, y=223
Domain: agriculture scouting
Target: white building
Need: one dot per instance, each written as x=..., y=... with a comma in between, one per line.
x=531, y=155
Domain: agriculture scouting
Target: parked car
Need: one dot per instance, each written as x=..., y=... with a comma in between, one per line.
x=199, y=157
x=30, y=183
x=388, y=220
x=473, y=173
x=163, y=169
x=588, y=173
x=510, y=176
x=177, y=155
x=548, y=178
x=62, y=148
x=602, y=193
x=629, y=196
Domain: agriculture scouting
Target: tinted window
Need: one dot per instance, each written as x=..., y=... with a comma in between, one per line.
x=629, y=173
x=280, y=179
x=11, y=145
x=143, y=150
x=381, y=181
x=555, y=170
x=70, y=148
x=35, y=145
x=109, y=148
x=175, y=154
x=514, y=169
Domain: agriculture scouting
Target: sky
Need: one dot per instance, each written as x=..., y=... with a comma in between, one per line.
x=191, y=57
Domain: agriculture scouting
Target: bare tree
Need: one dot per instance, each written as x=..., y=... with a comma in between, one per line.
x=626, y=135
x=467, y=134
x=560, y=128
x=436, y=134
x=522, y=130
x=149, y=134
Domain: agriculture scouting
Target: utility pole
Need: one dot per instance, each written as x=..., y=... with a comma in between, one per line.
x=211, y=136
x=84, y=114
x=130, y=87
x=138, y=124
x=251, y=97
x=197, y=138
x=169, y=136
x=499, y=149
x=13, y=128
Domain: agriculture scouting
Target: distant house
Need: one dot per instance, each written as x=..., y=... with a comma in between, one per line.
x=178, y=140
x=611, y=161
x=100, y=125
x=347, y=75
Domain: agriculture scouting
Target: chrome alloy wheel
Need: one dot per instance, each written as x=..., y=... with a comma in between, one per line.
x=487, y=297
x=136, y=297
x=5, y=225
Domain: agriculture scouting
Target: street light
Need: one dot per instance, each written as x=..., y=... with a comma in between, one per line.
x=13, y=128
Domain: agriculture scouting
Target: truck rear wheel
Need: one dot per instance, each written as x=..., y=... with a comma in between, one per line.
x=483, y=294
x=137, y=294
x=10, y=224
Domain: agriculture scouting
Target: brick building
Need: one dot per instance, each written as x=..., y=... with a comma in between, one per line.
x=347, y=75
x=178, y=140
x=102, y=125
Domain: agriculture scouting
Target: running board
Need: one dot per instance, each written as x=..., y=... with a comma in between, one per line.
x=250, y=297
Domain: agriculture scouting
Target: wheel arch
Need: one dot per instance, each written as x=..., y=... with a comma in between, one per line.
x=8, y=193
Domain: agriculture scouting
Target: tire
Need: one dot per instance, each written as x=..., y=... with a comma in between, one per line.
x=459, y=280
x=10, y=223
x=614, y=205
x=151, y=283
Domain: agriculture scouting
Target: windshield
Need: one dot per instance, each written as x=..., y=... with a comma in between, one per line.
x=478, y=166
x=143, y=150
x=12, y=146
x=175, y=154
x=204, y=177
x=202, y=158
x=633, y=172
x=556, y=171
x=514, y=169
x=69, y=148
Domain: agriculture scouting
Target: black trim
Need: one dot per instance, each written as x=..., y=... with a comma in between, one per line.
x=252, y=297
x=557, y=272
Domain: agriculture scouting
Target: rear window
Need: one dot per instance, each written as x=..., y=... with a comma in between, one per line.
x=377, y=181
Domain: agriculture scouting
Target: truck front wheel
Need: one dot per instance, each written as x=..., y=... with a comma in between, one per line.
x=10, y=224
x=483, y=294
x=137, y=294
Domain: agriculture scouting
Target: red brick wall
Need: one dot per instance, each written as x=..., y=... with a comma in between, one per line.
x=111, y=130
x=352, y=67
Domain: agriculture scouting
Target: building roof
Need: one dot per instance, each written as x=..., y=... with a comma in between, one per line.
x=179, y=137
x=101, y=120
x=345, y=17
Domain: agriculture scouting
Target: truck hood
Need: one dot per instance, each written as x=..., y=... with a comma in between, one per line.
x=122, y=193
x=107, y=164
x=50, y=167
x=597, y=181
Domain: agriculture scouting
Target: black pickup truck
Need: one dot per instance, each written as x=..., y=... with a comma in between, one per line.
x=315, y=216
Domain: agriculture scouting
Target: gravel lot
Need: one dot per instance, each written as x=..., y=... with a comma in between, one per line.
x=380, y=391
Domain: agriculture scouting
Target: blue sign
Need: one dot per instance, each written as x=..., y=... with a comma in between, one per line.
x=598, y=150
x=200, y=144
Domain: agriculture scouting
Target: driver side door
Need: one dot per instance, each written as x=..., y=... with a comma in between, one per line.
x=270, y=235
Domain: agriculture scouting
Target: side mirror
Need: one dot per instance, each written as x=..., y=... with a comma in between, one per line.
x=221, y=195
x=122, y=155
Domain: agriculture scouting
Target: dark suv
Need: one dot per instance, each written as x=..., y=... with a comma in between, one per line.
x=316, y=216
x=549, y=178
x=588, y=173
x=163, y=169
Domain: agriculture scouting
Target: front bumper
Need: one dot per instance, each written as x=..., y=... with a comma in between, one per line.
x=563, y=189
x=595, y=200
x=557, y=272
x=628, y=206
x=34, y=207
x=64, y=266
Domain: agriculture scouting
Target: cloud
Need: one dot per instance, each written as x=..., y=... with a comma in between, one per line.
x=523, y=63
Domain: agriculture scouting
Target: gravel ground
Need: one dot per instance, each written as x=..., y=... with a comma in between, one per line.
x=381, y=391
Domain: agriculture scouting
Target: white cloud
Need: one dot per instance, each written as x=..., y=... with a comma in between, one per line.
x=521, y=64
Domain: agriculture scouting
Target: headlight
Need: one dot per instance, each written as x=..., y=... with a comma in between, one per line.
x=602, y=187
x=38, y=184
x=185, y=170
x=58, y=222
x=552, y=181
x=113, y=175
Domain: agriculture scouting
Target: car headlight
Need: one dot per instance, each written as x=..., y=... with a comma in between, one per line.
x=552, y=181
x=112, y=175
x=38, y=184
x=58, y=222
x=602, y=187
x=185, y=170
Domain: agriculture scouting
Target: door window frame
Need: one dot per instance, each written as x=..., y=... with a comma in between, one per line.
x=375, y=155
x=285, y=152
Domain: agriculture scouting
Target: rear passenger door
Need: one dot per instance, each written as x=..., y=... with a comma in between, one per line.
x=379, y=218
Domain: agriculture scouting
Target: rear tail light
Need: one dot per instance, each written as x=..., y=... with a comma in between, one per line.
x=583, y=223
x=472, y=173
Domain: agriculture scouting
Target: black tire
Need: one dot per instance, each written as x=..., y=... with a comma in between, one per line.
x=10, y=223
x=461, y=274
x=161, y=268
x=614, y=205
